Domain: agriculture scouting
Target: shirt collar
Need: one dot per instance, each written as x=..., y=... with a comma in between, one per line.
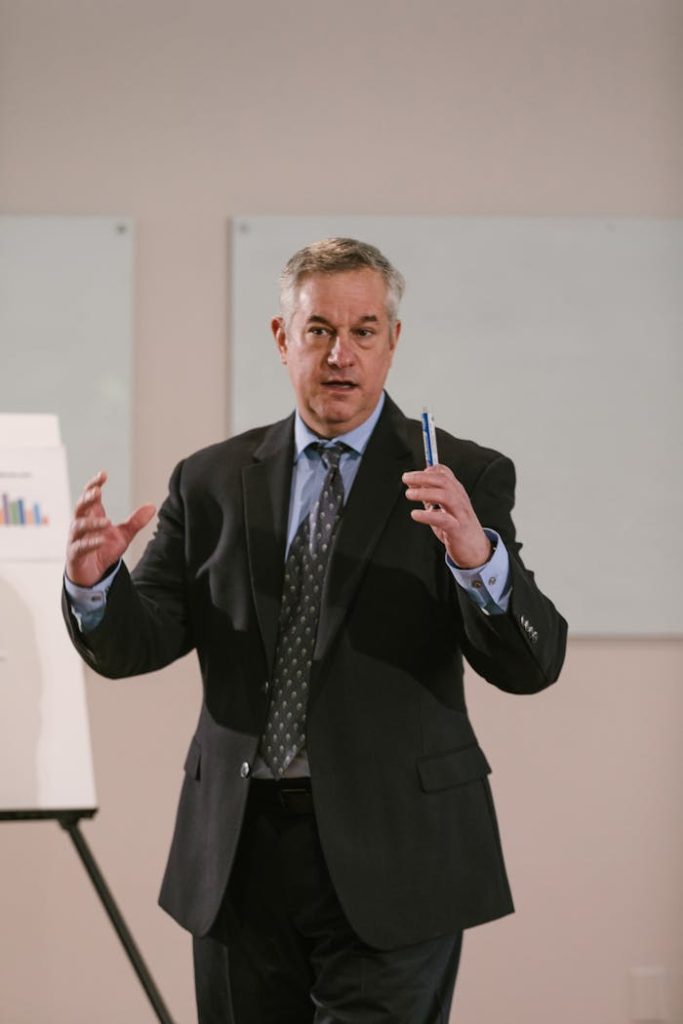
x=356, y=439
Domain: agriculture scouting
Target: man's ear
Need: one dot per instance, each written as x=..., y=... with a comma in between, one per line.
x=277, y=326
x=395, y=334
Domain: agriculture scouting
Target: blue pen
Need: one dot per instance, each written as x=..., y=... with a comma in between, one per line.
x=429, y=438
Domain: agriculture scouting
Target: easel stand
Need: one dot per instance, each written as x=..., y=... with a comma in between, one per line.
x=69, y=821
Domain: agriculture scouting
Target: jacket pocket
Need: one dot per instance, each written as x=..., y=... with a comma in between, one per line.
x=442, y=771
x=193, y=760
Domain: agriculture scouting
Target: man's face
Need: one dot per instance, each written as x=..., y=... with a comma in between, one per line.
x=338, y=346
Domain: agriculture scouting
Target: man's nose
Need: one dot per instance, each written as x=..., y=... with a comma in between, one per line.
x=341, y=353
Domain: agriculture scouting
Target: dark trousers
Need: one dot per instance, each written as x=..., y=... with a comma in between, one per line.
x=282, y=950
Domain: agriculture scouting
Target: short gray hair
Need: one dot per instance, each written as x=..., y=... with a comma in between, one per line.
x=334, y=256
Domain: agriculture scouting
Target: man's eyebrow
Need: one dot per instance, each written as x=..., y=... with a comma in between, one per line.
x=319, y=319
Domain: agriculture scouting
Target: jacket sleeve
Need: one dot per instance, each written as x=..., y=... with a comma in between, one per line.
x=521, y=651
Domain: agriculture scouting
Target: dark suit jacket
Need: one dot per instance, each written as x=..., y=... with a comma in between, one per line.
x=399, y=781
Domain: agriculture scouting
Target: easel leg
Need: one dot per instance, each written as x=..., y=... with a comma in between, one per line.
x=70, y=825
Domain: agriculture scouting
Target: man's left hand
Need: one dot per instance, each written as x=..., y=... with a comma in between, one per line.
x=448, y=510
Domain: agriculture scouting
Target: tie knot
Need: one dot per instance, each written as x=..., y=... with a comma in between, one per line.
x=331, y=453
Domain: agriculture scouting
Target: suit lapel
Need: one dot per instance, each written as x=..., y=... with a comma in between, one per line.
x=376, y=489
x=267, y=484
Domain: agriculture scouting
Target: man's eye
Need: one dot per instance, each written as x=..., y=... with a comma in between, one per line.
x=364, y=332
x=317, y=332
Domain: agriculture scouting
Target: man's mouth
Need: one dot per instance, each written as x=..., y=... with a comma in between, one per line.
x=341, y=384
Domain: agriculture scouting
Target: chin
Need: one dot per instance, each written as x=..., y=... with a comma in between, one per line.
x=338, y=407
x=329, y=423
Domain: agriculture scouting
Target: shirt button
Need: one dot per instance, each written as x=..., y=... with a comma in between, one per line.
x=476, y=584
x=245, y=770
x=492, y=580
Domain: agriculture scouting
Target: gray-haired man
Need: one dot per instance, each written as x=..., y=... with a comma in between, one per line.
x=336, y=832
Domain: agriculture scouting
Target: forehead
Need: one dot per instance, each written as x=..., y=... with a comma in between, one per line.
x=349, y=294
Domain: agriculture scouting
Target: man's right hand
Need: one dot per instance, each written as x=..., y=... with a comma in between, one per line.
x=95, y=543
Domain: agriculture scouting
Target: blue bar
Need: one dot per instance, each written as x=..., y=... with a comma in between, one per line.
x=22, y=514
x=36, y=514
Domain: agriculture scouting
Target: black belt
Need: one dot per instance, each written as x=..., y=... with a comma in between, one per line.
x=291, y=795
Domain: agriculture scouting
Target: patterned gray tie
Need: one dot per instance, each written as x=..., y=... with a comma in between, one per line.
x=285, y=730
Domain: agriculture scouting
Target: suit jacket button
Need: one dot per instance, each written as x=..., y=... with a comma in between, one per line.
x=245, y=770
x=266, y=686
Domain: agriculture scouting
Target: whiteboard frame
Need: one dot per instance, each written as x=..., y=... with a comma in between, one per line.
x=554, y=340
x=66, y=334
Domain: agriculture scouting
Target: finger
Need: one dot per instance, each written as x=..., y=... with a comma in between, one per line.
x=442, y=479
x=428, y=495
x=427, y=499
x=90, y=502
x=427, y=475
x=87, y=524
x=437, y=518
x=94, y=485
x=418, y=477
x=442, y=497
x=84, y=545
x=98, y=480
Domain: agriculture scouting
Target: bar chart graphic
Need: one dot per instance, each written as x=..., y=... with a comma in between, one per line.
x=21, y=512
x=34, y=503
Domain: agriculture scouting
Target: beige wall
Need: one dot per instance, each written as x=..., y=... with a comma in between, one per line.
x=182, y=114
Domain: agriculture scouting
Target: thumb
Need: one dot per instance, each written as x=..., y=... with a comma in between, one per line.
x=137, y=521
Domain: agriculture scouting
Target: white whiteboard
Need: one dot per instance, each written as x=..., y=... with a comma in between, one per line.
x=66, y=293
x=555, y=340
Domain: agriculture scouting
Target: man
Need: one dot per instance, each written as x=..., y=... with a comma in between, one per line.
x=335, y=832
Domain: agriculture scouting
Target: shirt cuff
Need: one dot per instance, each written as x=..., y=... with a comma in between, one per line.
x=487, y=585
x=89, y=604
